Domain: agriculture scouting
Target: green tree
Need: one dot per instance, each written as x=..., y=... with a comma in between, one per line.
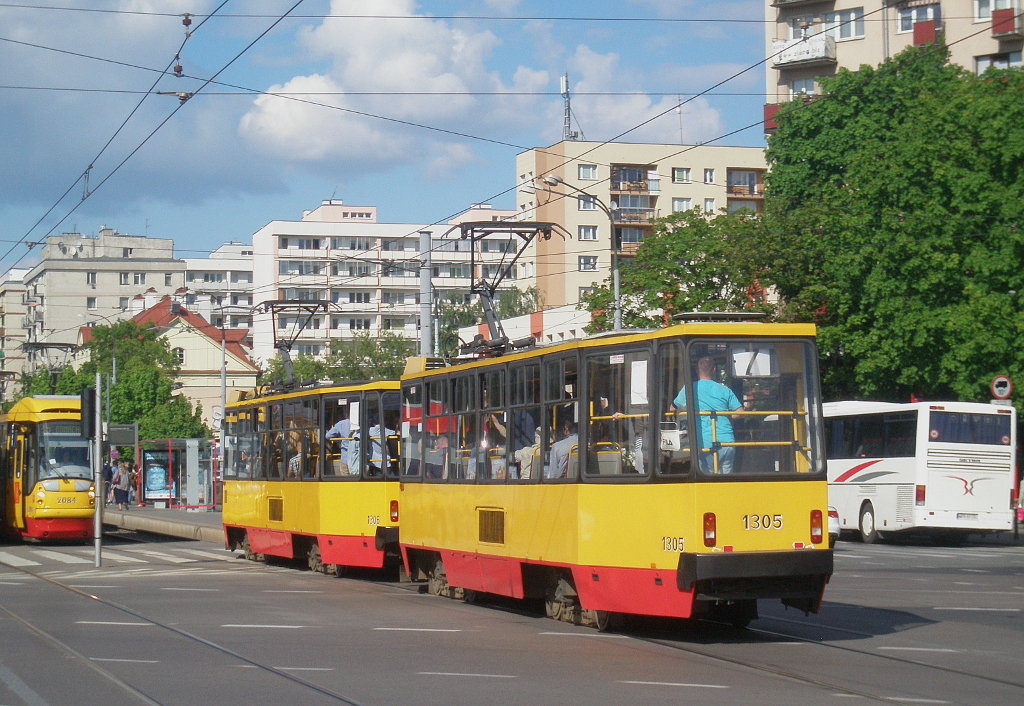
x=691, y=262
x=366, y=357
x=894, y=205
x=454, y=312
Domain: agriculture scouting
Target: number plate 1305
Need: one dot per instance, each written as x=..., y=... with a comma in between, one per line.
x=765, y=522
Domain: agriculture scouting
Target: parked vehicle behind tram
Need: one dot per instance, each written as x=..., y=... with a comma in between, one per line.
x=593, y=476
x=46, y=479
x=313, y=474
x=946, y=469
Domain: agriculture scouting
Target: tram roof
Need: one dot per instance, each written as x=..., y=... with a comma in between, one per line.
x=719, y=329
x=39, y=406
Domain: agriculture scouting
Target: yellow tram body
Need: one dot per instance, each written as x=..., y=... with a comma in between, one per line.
x=48, y=489
x=332, y=518
x=632, y=525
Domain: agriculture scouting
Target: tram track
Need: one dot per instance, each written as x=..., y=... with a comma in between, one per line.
x=141, y=696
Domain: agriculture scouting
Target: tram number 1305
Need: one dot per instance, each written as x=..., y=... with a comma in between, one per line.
x=767, y=522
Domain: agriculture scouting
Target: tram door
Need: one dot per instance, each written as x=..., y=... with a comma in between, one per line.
x=19, y=457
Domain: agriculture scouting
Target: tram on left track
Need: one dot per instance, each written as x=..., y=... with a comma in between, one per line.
x=313, y=474
x=46, y=480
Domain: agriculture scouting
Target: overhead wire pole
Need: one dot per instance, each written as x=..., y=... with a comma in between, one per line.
x=426, y=308
x=97, y=472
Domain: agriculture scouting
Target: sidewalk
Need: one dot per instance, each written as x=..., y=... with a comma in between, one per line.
x=172, y=522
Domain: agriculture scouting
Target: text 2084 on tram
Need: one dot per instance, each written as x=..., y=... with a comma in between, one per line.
x=671, y=473
x=46, y=481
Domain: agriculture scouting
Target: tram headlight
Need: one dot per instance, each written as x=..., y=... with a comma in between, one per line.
x=710, y=531
x=817, y=527
x=92, y=494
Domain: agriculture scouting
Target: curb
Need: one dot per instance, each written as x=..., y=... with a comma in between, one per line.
x=135, y=521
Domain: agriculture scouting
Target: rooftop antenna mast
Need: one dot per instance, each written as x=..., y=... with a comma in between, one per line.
x=567, y=131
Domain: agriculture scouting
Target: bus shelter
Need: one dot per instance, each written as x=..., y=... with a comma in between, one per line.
x=179, y=473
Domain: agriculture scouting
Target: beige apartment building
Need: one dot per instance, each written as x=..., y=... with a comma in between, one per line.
x=12, y=314
x=219, y=286
x=618, y=188
x=808, y=39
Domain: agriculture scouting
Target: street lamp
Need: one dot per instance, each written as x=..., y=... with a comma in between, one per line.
x=553, y=180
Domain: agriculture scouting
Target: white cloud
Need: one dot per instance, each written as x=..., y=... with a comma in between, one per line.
x=448, y=160
x=504, y=6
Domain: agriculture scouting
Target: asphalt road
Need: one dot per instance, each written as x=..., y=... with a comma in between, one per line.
x=178, y=622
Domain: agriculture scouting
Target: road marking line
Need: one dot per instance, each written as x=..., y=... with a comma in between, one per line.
x=109, y=622
x=211, y=590
x=420, y=629
x=989, y=610
x=132, y=661
x=210, y=555
x=305, y=669
x=848, y=696
x=975, y=571
x=268, y=591
x=466, y=674
x=917, y=701
x=162, y=555
x=16, y=560
x=124, y=558
x=64, y=558
x=10, y=583
x=851, y=556
x=584, y=634
x=282, y=627
x=23, y=690
x=919, y=649
x=669, y=683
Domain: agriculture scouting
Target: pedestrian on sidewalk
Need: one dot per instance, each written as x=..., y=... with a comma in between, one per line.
x=121, y=482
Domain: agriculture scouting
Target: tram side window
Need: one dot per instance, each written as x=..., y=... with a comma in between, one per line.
x=493, y=425
x=310, y=420
x=618, y=414
x=258, y=442
x=463, y=461
x=232, y=427
x=891, y=435
x=439, y=425
x=412, y=430
x=673, y=429
x=525, y=439
x=275, y=443
x=293, y=439
x=341, y=424
x=561, y=419
x=387, y=436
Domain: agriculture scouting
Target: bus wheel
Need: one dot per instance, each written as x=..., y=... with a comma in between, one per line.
x=868, y=533
x=313, y=558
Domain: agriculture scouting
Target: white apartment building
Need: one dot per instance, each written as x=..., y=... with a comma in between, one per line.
x=12, y=335
x=366, y=272
x=808, y=39
x=219, y=287
x=84, y=281
x=621, y=187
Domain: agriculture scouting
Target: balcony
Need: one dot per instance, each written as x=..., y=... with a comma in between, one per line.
x=1006, y=24
x=926, y=32
x=631, y=187
x=634, y=215
x=819, y=50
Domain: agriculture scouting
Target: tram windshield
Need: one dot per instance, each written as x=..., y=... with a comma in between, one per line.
x=741, y=407
x=63, y=453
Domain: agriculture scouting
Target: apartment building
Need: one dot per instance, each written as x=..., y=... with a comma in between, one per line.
x=808, y=39
x=12, y=314
x=219, y=287
x=365, y=272
x=84, y=280
x=601, y=189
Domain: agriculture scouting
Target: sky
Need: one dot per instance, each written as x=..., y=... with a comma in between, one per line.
x=419, y=109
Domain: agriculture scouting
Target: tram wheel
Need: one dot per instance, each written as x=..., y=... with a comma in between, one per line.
x=469, y=595
x=315, y=561
x=438, y=581
x=868, y=531
x=605, y=620
x=247, y=551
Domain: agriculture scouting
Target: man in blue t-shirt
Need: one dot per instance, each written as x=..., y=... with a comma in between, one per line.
x=712, y=396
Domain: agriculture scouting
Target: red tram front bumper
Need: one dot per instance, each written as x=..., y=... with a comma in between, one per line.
x=58, y=528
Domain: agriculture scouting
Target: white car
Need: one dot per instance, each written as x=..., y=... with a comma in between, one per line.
x=833, y=526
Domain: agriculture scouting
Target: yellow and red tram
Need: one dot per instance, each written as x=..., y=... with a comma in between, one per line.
x=313, y=473
x=46, y=479
x=676, y=472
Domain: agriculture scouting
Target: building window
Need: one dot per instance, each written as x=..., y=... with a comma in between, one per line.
x=358, y=324
x=179, y=355
x=587, y=203
x=309, y=243
x=213, y=277
x=907, y=17
x=801, y=86
x=585, y=291
x=126, y=252
x=587, y=263
x=283, y=243
x=679, y=205
x=680, y=175
x=245, y=277
x=122, y=277
x=246, y=252
x=845, y=24
x=140, y=278
x=587, y=233
x=358, y=297
x=801, y=27
x=123, y=302
x=300, y=267
x=631, y=235
x=587, y=171
x=709, y=205
x=998, y=61
x=167, y=279
x=241, y=322
x=709, y=176
x=90, y=279
x=393, y=324
x=90, y=303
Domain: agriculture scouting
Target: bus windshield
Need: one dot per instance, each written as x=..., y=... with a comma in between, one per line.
x=63, y=453
x=752, y=407
x=967, y=428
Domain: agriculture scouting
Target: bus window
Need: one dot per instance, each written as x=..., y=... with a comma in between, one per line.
x=966, y=428
x=618, y=414
x=525, y=439
x=892, y=435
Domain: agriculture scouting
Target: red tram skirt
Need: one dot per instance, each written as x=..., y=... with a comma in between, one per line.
x=58, y=528
x=334, y=549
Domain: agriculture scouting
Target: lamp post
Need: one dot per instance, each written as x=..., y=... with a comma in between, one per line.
x=553, y=180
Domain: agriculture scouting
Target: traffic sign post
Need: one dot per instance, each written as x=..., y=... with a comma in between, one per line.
x=1001, y=387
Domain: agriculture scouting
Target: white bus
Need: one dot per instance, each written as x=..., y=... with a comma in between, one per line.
x=945, y=467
